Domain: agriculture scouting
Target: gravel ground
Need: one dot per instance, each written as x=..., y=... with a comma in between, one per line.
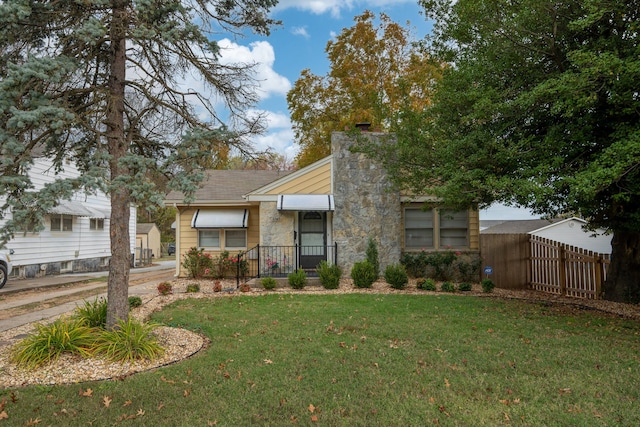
x=180, y=344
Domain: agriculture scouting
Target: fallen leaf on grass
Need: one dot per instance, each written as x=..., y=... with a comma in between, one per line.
x=87, y=393
x=565, y=391
x=162, y=378
x=312, y=408
x=4, y=415
x=160, y=406
x=268, y=361
x=106, y=401
x=14, y=398
x=446, y=383
x=314, y=418
x=186, y=393
x=32, y=422
x=140, y=412
x=126, y=403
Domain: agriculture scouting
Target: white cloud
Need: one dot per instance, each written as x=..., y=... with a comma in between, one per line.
x=335, y=7
x=279, y=135
x=261, y=54
x=300, y=31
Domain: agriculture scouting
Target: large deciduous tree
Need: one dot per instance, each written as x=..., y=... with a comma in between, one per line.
x=540, y=108
x=373, y=70
x=120, y=87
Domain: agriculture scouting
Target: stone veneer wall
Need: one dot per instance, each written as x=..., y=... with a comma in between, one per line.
x=365, y=206
x=276, y=227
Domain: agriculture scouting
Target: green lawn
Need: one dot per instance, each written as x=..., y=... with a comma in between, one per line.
x=369, y=360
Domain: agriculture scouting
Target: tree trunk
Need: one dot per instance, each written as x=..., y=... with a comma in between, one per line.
x=623, y=277
x=118, y=284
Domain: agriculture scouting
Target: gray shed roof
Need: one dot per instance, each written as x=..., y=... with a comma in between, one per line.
x=144, y=227
x=519, y=226
x=228, y=185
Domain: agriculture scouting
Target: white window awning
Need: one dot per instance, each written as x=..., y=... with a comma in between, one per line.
x=220, y=218
x=70, y=207
x=305, y=202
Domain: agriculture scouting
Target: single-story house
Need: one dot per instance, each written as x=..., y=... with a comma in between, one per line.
x=148, y=238
x=325, y=211
x=570, y=231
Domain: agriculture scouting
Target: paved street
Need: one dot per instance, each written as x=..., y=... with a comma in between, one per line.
x=18, y=293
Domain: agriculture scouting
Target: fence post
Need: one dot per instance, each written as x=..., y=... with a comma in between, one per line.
x=562, y=257
x=599, y=275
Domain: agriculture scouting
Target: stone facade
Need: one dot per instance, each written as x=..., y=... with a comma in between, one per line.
x=276, y=227
x=366, y=206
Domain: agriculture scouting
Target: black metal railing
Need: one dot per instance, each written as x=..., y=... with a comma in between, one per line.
x=279, y=261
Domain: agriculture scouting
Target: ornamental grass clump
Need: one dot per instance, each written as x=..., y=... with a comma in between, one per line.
x=65, y=335
x=94, y=313
x=396, y=276
x=130, y=340
x=329, y=275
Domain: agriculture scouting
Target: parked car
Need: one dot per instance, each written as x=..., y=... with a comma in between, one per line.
x=5, y=268
x=171, y=249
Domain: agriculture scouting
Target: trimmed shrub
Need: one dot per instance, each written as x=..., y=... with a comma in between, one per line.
x=165, y=288
x=464, y=287
x=193, y=287
x=363, y=274
x=269, y=283
x=396, y=276
x=329, y=275
x=372, y=256
x=135, y=301
x=447, y=287
x=297, y=279
x=94, y=313
x=487, y=285
x=426, y=284
x=65, y=335
x=129, y=340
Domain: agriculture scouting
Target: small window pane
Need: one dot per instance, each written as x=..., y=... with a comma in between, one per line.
x=209, y=238
x=67, y=223
x=454, y=229
x=235, y=239
x=418, y=228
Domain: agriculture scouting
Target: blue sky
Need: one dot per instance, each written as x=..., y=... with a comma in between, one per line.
x=307, y=26
x=298, y=44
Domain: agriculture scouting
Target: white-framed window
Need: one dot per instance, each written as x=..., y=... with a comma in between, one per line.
x=96, y=223
x=235, y=239
x=435, y=229
x=209, y=238
x=222, y=239
x=418, y=229
x=61, y=223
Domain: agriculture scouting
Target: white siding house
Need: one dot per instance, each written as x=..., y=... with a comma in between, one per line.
x=76, y=232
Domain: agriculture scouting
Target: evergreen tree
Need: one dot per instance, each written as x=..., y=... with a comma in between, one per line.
x=102, y=83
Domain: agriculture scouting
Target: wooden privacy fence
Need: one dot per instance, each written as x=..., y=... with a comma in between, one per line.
x=566, y=270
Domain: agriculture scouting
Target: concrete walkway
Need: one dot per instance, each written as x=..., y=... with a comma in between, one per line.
x=14, y=287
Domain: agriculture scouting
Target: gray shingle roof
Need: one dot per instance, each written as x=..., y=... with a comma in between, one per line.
x=144, y=227
x=229, y=185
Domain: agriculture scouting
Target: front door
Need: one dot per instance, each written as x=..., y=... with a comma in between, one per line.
x=313, y=239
